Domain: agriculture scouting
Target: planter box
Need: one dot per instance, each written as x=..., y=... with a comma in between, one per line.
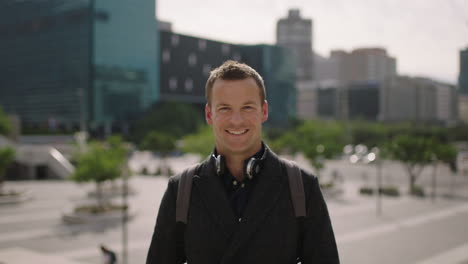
x=16, y=198
x=72, y=217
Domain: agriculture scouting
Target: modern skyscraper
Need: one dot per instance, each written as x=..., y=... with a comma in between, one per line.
x=463, y=75
x=186, y=63
x=295, y=33
x=419, y=100
x=66, y=64
x=363, y=65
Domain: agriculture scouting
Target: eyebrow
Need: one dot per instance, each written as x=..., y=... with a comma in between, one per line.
x=249, y=102
x=226, y=104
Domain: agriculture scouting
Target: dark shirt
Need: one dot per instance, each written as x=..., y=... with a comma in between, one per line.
x=238, y=192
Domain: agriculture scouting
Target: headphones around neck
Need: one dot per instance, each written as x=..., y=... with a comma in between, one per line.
x=252, y=166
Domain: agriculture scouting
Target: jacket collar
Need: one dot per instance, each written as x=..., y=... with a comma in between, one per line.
x=263, y=198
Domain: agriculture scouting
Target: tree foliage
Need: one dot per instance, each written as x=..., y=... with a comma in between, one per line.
x=202, y=142
x=170, y=118
x=5, y=123
x=158, y=142
x=103, y=161
x=369, y=134
x=414, y=152
x=316, y=139
x=7, y=156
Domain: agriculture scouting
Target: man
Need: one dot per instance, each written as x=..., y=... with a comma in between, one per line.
x=108, y=255
x=240, y=208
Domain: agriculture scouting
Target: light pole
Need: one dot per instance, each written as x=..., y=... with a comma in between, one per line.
x=434, y=182
x=81, y=100
x=126, y=174
x=374, y=156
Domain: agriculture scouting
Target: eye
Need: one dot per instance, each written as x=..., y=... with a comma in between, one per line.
x=223, y=109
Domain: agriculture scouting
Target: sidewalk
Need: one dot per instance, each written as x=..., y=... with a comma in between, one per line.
x=23, y=256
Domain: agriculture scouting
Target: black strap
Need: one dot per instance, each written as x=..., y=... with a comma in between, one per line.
x=182, y=207
x=183, y=194
x=296, y=187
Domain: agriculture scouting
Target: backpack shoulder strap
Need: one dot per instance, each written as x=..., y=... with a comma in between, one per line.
x=183, y=193
x=296, y=187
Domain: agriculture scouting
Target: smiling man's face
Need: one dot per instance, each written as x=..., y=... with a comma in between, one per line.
x=236, y=113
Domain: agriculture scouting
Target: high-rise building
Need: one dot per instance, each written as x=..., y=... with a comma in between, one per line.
x=463, y=75
x=186, y=63
x=362, y=65
x=419, y=100
x=295, y=33
x=67, y=64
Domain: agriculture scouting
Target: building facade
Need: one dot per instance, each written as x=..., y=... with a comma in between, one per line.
x=295, y=33
x=362, y=65
x=463, y=74
x=418, y=100
x=186, y=63
x=71, y=64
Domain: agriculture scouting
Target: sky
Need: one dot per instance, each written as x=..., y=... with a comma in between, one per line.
x=425, y=36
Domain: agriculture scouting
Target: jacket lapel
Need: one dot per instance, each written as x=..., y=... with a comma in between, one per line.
x=263, y=199
x=210, y=188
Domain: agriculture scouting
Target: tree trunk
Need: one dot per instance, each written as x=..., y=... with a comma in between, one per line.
x=99, y=194
x=412, y=178
x=1, y=184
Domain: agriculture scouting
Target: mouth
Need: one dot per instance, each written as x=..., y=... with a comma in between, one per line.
x=237, y=132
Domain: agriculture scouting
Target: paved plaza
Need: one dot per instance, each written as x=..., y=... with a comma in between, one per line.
x=409, y=230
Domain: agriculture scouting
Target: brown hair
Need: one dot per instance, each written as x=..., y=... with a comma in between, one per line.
x=233, y=70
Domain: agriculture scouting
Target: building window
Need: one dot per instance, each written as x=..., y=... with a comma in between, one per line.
x=192, y=59
x=173, y=83
x=76, y=16
x=206, y=69
x=225, y=48
x=174, y=40
x=202, y=44
x=188, y=85
x=166, y=56
x=237, y=56
x=102, y=15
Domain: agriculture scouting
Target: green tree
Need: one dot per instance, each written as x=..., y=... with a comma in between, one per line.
x=5, y=124
x=102, y=162
x=162, y=143
x=201, y=142
x=170, y=118
x=158, y=142
x=7, y=156
x=318, y=141
x=369, y=134
x=414, y=153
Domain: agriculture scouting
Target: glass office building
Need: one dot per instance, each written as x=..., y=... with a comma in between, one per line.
x=186, y=62
x=67, y=62
x=277, y=67
x=463, y=75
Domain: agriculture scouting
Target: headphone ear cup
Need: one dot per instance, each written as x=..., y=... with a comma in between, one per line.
x=252, y=168
x=220, y=165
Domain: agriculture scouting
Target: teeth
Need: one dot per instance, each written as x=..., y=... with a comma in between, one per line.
x=237, y=132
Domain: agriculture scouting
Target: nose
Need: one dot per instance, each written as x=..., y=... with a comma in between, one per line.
x=237, y=118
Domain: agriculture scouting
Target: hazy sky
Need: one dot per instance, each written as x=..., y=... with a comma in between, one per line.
x=425, y=36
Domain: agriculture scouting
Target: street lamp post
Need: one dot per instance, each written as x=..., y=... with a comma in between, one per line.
x=126, y=175
x=434, y=180
x=379, y=187
x=374, y=156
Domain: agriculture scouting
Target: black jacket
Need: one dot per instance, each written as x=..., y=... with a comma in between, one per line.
x=269, y=232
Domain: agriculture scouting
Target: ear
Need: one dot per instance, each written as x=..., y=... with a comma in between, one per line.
x=208, y=115
x=264, y=111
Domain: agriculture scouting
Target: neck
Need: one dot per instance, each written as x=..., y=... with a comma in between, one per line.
x=235, y=162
